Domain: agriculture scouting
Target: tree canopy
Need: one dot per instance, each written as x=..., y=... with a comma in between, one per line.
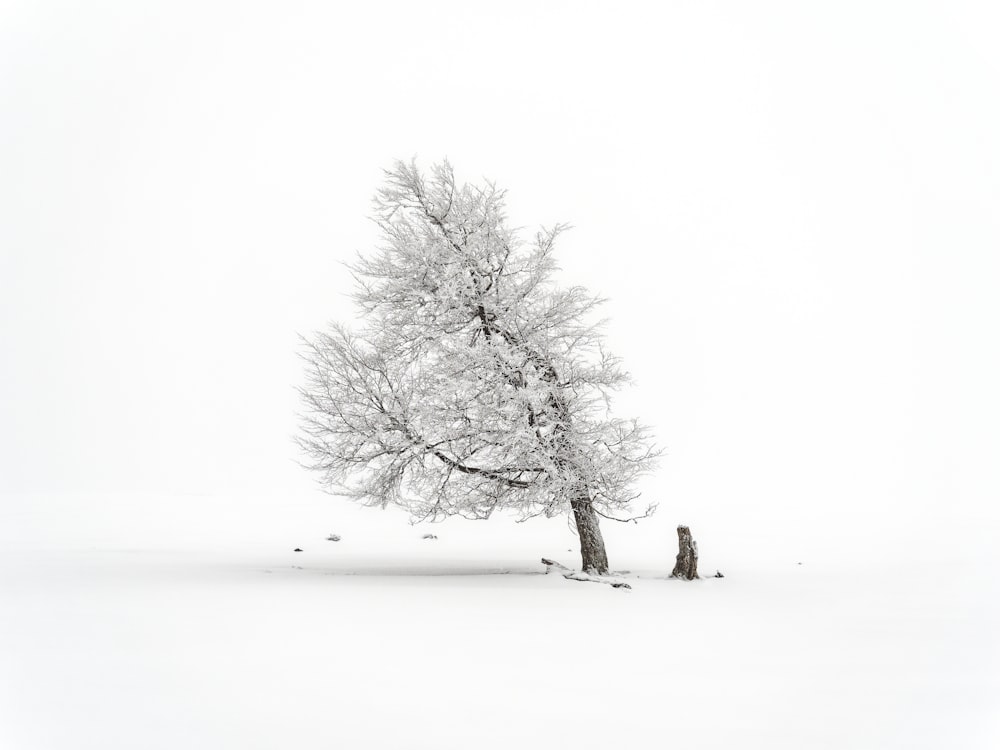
x=474, y=382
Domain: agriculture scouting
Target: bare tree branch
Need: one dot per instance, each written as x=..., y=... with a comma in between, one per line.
x=475, y=383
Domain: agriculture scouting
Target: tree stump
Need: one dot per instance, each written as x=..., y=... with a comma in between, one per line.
x=686, y=566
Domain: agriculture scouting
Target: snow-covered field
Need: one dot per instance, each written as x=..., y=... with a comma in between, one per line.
x=189, y=622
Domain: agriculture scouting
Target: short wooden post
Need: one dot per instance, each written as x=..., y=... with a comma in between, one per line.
x=687, y=556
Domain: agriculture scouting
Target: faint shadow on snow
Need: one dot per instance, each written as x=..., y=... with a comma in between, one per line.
x=403, y=570
x=433, y=572
x=443, y=569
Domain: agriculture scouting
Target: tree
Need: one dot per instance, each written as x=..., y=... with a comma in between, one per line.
x=474, y=384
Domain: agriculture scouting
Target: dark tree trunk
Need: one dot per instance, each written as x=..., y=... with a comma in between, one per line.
x=595, y=559
x=687, y=558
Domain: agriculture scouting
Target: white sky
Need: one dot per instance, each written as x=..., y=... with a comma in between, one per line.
x=793, y=208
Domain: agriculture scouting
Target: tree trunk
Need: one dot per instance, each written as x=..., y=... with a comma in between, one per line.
x=595, y=559
x=687, y=558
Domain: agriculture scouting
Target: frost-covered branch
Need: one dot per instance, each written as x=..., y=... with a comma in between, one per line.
x=475, y=382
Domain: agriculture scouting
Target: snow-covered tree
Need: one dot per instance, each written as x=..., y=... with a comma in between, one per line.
x=475, y=384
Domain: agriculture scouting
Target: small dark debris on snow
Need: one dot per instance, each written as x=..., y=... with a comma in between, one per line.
x=718, y=574
x=429, y=536
x=333, y=538
x=620, y=585
x=296, y=550
x=551, y=565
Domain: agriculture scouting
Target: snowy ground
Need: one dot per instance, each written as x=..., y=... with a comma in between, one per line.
x=189, y=622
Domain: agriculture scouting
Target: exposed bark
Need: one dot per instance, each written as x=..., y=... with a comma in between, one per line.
x=687, y=557
x=592, y=552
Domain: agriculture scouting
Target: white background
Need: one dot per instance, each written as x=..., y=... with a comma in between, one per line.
x=792, y=208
